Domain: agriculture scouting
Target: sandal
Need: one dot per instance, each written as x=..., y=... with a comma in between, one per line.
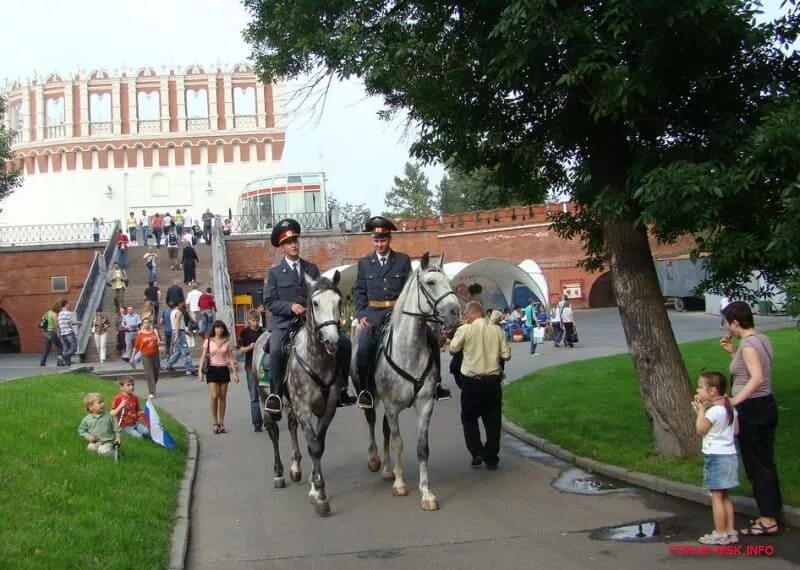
x=758, y=528
x=222, y=429
x=215, y=428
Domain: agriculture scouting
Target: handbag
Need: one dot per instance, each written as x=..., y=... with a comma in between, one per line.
x=538, y=335
x=43, y=322
x=205, y=361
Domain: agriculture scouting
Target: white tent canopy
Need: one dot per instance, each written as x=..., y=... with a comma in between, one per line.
x=496, y=276
x=532, y=268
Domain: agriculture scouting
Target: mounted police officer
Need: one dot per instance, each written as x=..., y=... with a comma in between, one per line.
x=381, y=277
x=286, y=295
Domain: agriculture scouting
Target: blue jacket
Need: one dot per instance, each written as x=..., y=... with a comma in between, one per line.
x=283, y=289
x=376, y=283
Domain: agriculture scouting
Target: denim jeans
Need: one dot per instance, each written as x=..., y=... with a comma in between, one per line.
x=158, y=232
x=70, y=347
x=255, y=401
x=122, y=257
x=130, y=338
x=137, y=430
x=152, y=272
x=558, y=333
x=181, y=350
x=143, y=235
x=51, y=339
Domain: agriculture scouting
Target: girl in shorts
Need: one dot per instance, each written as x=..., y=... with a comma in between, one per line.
x=217, y=366
x=716, y=422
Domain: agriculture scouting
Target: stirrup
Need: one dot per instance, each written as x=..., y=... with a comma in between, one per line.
x=365, y=400
x=277, y=404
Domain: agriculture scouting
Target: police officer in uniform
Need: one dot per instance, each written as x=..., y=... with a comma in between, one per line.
x=286, y=295
x=381, y=277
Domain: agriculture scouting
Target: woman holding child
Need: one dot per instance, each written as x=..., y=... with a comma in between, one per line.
x=217, y=365
x=752, y=396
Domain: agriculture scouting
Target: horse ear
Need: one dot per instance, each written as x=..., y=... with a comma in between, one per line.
x=441, y=260
x=336, y=277
x=425, y=261
x=310, y=282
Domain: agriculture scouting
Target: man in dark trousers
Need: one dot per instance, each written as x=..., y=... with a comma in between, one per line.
x=175, y=294
x=380, y=279
x=484, y=347
x=286, y=295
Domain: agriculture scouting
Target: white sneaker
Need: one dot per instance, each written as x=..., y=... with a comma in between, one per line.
x=714, y=538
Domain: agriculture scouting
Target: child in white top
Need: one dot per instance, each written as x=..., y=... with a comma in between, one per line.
x=716, y=422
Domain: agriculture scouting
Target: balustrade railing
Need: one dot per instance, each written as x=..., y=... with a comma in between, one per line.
x=153, y=126
x=108, y=252
x=250, y=224
x=100, y=128
x=223, y=292
x=53, y=233
x=197, y=124
x=244, y=122
x=16, y=137
x=55, y=131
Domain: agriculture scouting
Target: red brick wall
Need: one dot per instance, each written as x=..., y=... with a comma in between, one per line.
x=530, y=237
x=25, y=292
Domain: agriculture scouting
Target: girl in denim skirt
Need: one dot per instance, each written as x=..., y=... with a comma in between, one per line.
x=716, y=422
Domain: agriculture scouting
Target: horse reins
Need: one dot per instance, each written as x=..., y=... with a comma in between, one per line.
x=432, y=317
x=325, y=388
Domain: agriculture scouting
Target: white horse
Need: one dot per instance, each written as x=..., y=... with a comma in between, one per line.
x=311, y=387
x=405, y=371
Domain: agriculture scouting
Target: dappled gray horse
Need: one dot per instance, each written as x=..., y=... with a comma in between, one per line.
x=311, y=388
x=405, y=371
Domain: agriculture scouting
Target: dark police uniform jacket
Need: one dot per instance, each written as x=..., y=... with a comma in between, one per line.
x=284, y=288
x=376, y=283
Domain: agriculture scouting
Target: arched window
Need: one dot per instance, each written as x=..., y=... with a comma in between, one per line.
x=54, y=118
x=244, y=107
x=196, y=109
x=100, y=113
x=148, y=111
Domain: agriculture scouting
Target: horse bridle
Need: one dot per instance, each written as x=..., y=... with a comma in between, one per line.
x=317, y=329
x=434, y=316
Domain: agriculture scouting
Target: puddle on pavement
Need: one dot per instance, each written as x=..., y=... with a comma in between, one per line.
x=578, y=481
x=571, y=479
x=533, y=453
x=640, y=531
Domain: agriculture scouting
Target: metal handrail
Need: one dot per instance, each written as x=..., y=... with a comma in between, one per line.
x=223, y=292
x=93, y=288
x=263, y=223
x=53, y=233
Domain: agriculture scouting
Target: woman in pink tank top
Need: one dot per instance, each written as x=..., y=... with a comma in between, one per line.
x=751, y=369
x=217, y=366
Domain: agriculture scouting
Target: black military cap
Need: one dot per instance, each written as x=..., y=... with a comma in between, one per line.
x=380, y=226
x=284, y=230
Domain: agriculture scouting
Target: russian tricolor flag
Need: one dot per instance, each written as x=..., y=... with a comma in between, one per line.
x=158, y=433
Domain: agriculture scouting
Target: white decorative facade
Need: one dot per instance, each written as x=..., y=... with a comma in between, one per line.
x=102, y=145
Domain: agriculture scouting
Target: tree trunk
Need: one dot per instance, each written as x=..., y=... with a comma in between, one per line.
x=663, y=382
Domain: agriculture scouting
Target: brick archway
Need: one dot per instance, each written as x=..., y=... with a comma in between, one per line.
x=602, y=292
x=9, y=335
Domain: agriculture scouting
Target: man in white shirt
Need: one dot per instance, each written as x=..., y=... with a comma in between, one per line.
x=143, y=227
x=193, y=302
x=188, y=221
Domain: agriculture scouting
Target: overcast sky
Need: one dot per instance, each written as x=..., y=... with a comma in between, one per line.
x=359, y=153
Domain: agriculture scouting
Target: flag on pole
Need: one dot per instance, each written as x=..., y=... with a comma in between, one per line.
x=158, y=432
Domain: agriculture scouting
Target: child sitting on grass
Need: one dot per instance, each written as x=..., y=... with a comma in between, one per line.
x=98, y=428
x=125, y=407
x=716, y=422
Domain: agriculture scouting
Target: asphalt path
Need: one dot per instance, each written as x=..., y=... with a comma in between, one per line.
x=510, y=518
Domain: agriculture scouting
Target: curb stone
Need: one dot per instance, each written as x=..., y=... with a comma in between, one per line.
x=746, y=505
x=179, y=541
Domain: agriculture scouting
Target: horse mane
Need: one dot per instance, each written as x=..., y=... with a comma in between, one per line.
x=324, y=284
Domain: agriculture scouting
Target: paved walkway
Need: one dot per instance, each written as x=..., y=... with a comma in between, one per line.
x=511, y=518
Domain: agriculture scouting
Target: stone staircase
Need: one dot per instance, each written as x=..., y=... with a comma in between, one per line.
x=134, y=294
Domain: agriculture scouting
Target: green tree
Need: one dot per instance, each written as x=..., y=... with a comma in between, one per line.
x=464, y=192
x=640, y=110
x=9, y=177
x=350, y=214
x=410, y=196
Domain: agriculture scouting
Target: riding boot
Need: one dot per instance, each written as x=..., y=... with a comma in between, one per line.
x=345, y=399
x=274, y=403
x=365, y=400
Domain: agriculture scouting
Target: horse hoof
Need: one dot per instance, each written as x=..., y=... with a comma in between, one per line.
x=387, y=476
x=400, y=491
x=295, y=476
x=279, y=482
x=430, y=505
x=323, y=508
x=374, y=464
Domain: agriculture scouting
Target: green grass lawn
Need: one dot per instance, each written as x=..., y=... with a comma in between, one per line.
x=593, y=408
x=64, y=507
